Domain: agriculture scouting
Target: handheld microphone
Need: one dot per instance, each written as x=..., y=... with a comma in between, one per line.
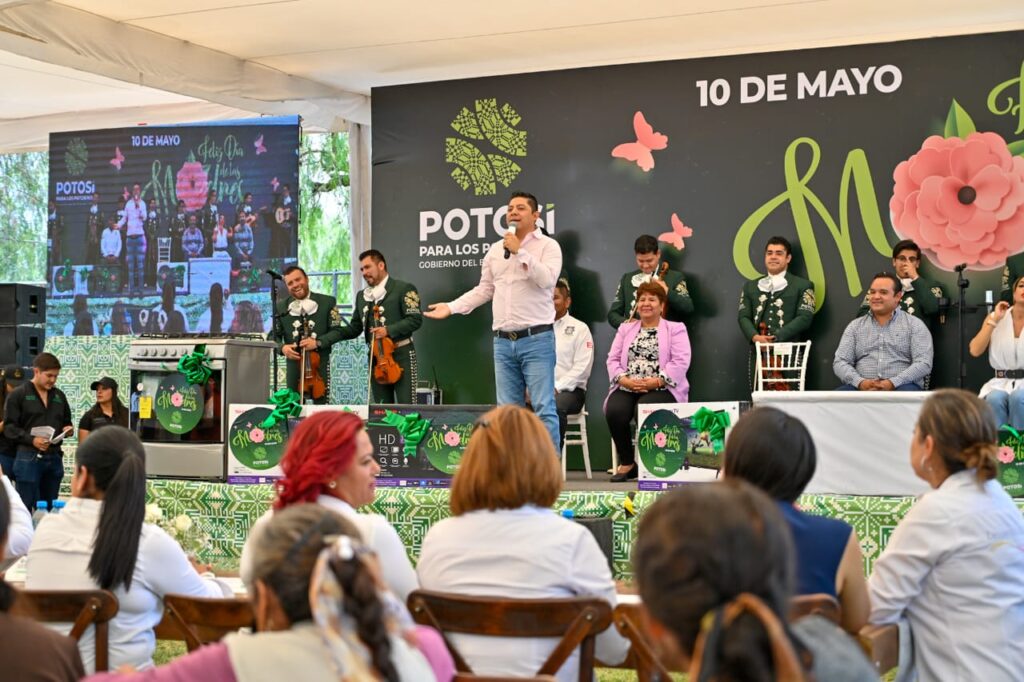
x=274, y=274
x=512, y=227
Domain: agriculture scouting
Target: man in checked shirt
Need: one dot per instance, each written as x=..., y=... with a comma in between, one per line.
x=886, y=350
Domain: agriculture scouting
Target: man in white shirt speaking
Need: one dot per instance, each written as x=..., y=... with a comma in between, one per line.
x=574, y=358
x=518, y=276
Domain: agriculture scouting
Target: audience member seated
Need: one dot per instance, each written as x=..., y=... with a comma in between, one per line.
x=19, y=528
x=646, y=364
x=714, y=563
x=99, y=541
x=321, y=615
x=1000, y=333
x=954, y=566
x=29, y=651
x=108, y=409
x=775, y=452
x=887, y=349
x=330, y=461
x=504, y=541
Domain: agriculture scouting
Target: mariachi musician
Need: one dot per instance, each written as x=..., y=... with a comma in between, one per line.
x=323, y=330
x=387, y=310
x=648, y=255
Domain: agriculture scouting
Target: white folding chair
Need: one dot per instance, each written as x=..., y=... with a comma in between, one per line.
x=577, y=436
x=780, y=366
x=163, y=249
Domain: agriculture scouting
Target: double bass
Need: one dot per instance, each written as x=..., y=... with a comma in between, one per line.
x=386, y=370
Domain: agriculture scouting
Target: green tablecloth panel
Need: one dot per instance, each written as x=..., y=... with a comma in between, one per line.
x=226, y=512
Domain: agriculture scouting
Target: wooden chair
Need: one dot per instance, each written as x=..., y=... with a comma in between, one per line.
x=824, y=605
x=577, y=621
x=881, y=644
x=629, y=621
x=201, y=620
x=81, y=608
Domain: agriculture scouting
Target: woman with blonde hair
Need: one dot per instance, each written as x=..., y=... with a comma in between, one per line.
x=954, y=566
x=503, y=540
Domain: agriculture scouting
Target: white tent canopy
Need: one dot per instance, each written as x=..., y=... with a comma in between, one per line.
x=104, y=63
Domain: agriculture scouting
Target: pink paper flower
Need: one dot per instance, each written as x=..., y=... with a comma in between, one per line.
x=961, y=200
x=452, y=438
x=257, y=435
x=177, y=399
x=1006, y=455
x=660, y=439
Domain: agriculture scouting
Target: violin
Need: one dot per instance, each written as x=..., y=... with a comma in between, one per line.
x=311, y=381
x=658, y=274
x=386, y=370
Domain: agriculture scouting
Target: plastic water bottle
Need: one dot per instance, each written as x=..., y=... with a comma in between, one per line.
x=39, y=514
x=58, y=506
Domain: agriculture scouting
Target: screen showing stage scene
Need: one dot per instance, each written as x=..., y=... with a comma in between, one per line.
x=170, y=229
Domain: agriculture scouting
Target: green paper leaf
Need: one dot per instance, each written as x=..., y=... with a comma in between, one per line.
x=958, y=122
x=1016, y=148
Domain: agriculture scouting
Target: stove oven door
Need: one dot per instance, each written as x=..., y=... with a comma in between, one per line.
x=181, y=426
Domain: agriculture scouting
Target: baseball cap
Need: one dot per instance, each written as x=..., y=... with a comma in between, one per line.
x=106, y=382
x=15, y=375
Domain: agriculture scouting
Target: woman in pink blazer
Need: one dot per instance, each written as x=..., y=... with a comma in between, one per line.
x=647, y=364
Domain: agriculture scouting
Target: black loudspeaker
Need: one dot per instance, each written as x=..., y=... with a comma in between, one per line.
x=21, y=344
x=22, y=304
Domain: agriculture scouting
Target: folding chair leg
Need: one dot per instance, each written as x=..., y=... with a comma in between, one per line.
x=565, y=449
x=586, y=448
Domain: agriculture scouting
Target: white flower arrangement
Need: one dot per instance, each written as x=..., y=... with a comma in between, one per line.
x=180, y=527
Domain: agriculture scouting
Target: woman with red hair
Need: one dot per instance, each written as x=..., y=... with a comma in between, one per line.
x=329, y=461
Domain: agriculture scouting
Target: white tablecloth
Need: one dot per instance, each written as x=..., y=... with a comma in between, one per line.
x=863, y=438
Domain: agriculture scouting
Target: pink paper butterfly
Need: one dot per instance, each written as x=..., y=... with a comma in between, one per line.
x=675, y=237
x=274, y=184
x=118, y=158
x=260, y=149
x=647, y=141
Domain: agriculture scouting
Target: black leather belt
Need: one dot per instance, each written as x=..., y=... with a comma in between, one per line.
x=1010, y=374
x=529, y=331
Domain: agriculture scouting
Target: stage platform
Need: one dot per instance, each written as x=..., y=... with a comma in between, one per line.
x=226, y=512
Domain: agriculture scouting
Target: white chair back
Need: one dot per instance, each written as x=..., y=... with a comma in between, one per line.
x=781, y=366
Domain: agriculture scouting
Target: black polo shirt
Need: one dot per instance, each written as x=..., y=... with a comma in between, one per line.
x=95, y=418
x=24, y=411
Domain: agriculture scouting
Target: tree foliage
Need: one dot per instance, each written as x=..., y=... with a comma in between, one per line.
x=324, y=231
x=23, y=207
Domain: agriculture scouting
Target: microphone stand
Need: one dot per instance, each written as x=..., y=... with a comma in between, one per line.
x=275, y=324
x=961, y=307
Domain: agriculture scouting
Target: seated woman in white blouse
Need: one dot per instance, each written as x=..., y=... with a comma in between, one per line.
x=503, y=540
x=329, y=461
x=100, y=541
x=1000, y=333
x=954, y=566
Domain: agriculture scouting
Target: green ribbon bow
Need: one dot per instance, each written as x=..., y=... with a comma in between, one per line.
x=196, y=366
x=714, y=423
x=412, y=427
x=1013, y=431
x=287, y=404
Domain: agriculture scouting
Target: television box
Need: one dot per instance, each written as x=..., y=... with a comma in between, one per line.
x=254, y=452
x=678, y=443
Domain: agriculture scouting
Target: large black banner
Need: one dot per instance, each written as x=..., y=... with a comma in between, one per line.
x=715, y=155
x=169, y=228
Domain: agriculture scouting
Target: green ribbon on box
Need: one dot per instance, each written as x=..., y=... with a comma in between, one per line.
x=1013, y=431
x=286, y=402
x=196, y=366
x=412, y=427
x=714, y=423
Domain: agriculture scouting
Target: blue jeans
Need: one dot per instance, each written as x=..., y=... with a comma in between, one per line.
x=1008, y=407
x=136, y=256
x=528, y=363
x=38, y=478
x=904, y=387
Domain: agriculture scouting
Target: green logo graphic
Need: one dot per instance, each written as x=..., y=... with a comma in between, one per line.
x=76, y=156
x=483, y=170
x=661, y=441
x=254, y=446
x=444, y=443
x=178, y=404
